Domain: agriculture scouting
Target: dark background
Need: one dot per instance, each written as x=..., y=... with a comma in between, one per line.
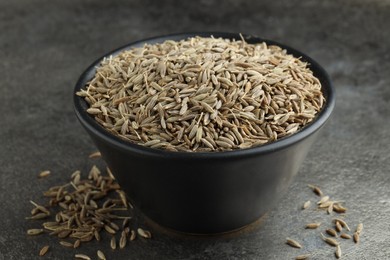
x=45, y=45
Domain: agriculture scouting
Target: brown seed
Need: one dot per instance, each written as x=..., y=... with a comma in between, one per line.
x=306, y=204
x=356, y=237
x=34, y=232
x=323, y=200
x=82, y=256
x=101, y=255
x=342, y=223
x=338, y=226
x=330, y=241
x=345, y=236
x=113, y=243
x=96, y=154
x=38, y=216
x=302, y=257
x=293, y=243
x=109, y=229
x=331, y=232
x=44, y=250
x=44, y=174
x=132, y=235
x=312, y=225
x=338, y=252
x=77, y=243
x=64, y=233
x=338, y=208
x=66, y=244
x=316, y=190
x=359, y=228
x=144, y=233
x=123, y=240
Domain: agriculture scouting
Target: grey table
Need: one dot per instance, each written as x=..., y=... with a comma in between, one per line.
x=45, y=45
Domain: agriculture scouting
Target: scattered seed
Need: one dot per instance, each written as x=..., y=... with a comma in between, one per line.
x=44, y=250
x=82, y=256
x=312, y=225
x=356, y=237
x=338, y=208
x=338, y=226
x=331, y=232
x=359, y=228
x=34, y=232
x=101, y=255
x=316, y=190
x=66, y=244
x=302, y=257
x=132, y=235
x=345, y=236
x=342, y=223
x=293, y=243
x=323, y=200
x=338, y=252
x=144, y=233
x=123, y=240
x=44, y=174
x=77, y=243
x=113, y=243
x=306, y=204
x=330, y=241
x=96, y=154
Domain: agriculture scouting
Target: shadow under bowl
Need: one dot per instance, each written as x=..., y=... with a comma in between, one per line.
x=199, y=192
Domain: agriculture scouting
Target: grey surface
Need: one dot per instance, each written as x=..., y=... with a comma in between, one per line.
x=45, y=45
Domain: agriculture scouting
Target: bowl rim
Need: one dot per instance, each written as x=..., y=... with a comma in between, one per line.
x=93, y=126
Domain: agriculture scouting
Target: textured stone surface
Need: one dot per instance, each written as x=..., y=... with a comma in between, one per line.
x=45, y=45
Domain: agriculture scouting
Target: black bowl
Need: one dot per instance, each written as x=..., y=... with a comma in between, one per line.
x=201, y=192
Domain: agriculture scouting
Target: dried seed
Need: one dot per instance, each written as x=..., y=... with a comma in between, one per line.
x=338, y=226
x=101, y=255
x=96, y=154
x=338, y=208
x=44, y=250
x=293, y=243
x=113, y=243
x=345, y=236
x=323, y=200
x=302, y=257
x=66, y=244
x=356, y=237
x=331, y=232
x=34, y=232
x=144, y=233
x=109, y=229
x=38, y=216
x=312, y=225
x=82, y=256
x=77, y=243
x=44, y=174
x=330, y=241
x=306, y=204
x=123, y=240
x=342, y=223
x=359, y=228
x=338, y=252
x=132, y=235
x=316, y=190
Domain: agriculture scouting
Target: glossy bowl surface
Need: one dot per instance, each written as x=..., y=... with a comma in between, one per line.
x=205, y=193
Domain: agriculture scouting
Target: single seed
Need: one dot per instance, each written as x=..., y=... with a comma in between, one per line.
x=38, y=216
x=302, y=257
x=359, y=228
x=44, y=250
x=338, y=208
x=338, y=252
x=306, y=204
x=132, y=235
x=293, y=243
x=96, y=154
x=113, y=243
x=82, y=256
x=34, y=232
x=338, y=226
x=312, y=225
x=345, y=236
x=331, y=232
x=77, y=243
x=44, y=174
x=109, y=229
x=123, y=240
x=316, y=190
x=66, y=244
x=330, y=241
x=101, y=255
x=356, y=237
x=144, y=233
